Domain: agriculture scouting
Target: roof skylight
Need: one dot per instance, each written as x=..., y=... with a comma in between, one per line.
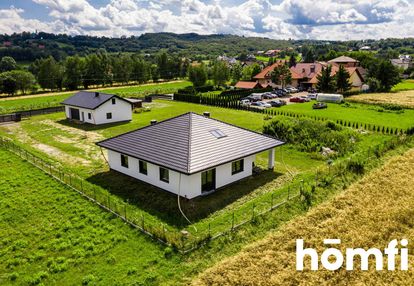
x=218, y=133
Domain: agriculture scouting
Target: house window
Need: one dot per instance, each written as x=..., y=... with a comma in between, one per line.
x=89, y=115
x=109, y=115
x=113, y=101
x=164, y=175
x=143, y=167
x=124, y=160
x=237, y=167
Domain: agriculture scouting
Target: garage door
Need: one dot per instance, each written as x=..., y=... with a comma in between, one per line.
x=74, y=114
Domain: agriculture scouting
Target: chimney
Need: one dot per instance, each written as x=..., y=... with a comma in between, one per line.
x=153, y=122
x=96, y=94
x=206, y=114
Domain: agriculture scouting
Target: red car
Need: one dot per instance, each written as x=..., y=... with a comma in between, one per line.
x=297, y=99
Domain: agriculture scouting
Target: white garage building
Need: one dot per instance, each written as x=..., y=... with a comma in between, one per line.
x=189, y=155
x=97, y=108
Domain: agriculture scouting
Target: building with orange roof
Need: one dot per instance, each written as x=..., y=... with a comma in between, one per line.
x=248, y=85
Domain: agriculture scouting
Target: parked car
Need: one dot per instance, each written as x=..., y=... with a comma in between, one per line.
x=296, y=99
x=307, y=99
x=312, y=96
x=269, y=95
x=292, y=89
x=245, y=102
x=261, y=104
x=277, y=103
x=319, y=105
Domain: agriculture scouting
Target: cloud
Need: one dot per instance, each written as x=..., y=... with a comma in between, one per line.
x=324, y=19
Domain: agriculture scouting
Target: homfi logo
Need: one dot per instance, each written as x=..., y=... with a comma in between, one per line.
x=333, y=258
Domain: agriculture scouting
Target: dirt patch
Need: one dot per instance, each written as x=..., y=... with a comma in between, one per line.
x=403, y=98
x=54, y=152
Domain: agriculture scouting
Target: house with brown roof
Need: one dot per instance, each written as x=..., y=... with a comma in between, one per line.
x=306, y=74
x=265, y=76
x=248, y=85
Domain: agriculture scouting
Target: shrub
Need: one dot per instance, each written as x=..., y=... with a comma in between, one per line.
x=356, y=166
x=88, y=279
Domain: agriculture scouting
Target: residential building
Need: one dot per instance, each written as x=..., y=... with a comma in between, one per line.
x=97, y=108
x=248, y=85
x=403, y=62
x=189, y=155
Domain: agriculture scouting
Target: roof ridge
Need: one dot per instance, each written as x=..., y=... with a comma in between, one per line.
x=189, y=140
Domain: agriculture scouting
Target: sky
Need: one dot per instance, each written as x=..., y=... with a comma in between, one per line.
x=276, y=19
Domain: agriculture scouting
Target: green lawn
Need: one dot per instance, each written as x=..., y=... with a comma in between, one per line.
x=22, y=103
x=404, y=85
x=358, y=113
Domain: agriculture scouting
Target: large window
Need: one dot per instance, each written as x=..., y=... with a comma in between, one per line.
x=124, y=160
x=237, y=167
x=143, y=167
x=164, y=175
x=109, y=115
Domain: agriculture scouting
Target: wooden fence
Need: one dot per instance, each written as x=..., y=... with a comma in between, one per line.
x=16, y=116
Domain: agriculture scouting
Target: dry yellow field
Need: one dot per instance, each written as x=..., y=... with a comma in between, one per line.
x=403, y=98
x=370, y=213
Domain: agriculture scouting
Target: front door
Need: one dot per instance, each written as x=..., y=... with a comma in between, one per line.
x=208, y=181
x=74, y=114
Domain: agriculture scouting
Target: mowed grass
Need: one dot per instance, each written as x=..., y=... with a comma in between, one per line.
x=402, y=98
x=404, y=85
x=371, y=213
x=354, y=112
x=8, y=105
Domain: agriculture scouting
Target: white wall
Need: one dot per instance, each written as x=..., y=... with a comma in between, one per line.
x=224, y=176
x=184, y=185
x=121, y=111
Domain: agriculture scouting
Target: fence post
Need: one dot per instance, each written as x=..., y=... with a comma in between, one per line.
x=232, y=222
x=209, y=230
x=253, y=211
x=125, y=210
x=109, y=202
x=142, y=222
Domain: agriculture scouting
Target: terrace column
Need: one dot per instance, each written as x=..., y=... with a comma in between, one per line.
x=271, y=159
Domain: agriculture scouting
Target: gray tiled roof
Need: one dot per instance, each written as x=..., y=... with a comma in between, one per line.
x=185, y=143
x=88, y=99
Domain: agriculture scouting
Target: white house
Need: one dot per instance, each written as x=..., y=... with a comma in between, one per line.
x=97, y=108
x=188, y=155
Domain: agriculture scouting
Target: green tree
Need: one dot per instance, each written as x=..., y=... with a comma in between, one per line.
x=342, y=80
x=236, y=72
x=309, y=57
x=220, y=73
x=281, y=75
x=292, y=61
x=326, y=82
x=255, y=69
x=25, y=80
x=387, y=74
x=197, y=75
x=72, y=78
x=50, y=74
x=122, y=68
x=7, y=64
x=8, y=84
x=94, y=72
x=140, y=70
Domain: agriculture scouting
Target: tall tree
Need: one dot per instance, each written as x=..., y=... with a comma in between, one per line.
x=50, y=74
x=281, y=75
x=342, y=80
x=94, y=72
x=292, y=61
x=309, y=57
x=197, y=75
x=255, y=69
x=122, y=68
x=236, y=72
x=387, y=74
x=25, y=80
x=326, y=82
x=8, y=84
x=220, y=73
x=73, y=67
x=7, y=64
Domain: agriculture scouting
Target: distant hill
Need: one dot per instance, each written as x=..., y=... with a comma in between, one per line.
x=29, y=46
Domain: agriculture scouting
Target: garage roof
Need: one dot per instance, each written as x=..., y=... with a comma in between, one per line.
x=190, y=143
